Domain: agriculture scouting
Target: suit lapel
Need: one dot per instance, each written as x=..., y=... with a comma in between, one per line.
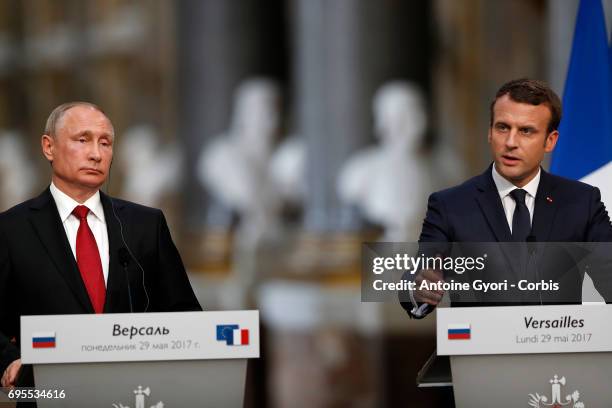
x=116, y=283
x=492, y=208
x=545, y=208
x=46, y=222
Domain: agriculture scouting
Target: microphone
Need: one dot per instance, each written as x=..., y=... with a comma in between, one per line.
x=531, y=243
x=124, y=257
x=125, y=254
x=531, y=248
x=124, y=260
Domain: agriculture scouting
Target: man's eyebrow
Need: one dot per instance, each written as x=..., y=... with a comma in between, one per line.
x=89, y=133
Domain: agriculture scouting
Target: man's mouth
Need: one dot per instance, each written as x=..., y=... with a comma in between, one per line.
x=509, y=159
x=90, y=170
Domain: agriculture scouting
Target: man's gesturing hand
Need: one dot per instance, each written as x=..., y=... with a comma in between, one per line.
x=10, y=374
x=432, y=297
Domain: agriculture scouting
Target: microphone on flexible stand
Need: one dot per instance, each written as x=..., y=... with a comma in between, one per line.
x=532, y=249
x=124, y=260
x=126, y=254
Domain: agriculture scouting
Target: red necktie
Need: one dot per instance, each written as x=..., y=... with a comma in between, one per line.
x=88, y=259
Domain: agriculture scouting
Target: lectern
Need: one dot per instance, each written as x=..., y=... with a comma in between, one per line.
x=147, y=360
x=528, y=356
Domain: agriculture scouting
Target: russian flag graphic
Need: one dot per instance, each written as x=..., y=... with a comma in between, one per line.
x=43, y=340
x=459, y=331
x=233, y=335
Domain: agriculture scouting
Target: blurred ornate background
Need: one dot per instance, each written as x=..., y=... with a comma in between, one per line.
x=278, y=136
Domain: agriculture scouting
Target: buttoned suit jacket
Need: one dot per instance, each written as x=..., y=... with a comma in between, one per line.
x=39, y=274
x=565, y=211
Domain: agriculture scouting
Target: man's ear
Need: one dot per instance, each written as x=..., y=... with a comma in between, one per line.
x=48, y=147
x=551, y=141
x=489, y=135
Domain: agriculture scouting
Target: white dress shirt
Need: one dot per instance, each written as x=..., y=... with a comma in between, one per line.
x=95, y=219
x=504, y=188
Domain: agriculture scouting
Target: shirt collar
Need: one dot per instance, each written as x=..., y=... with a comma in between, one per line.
x=65, y=204
x=504, y=187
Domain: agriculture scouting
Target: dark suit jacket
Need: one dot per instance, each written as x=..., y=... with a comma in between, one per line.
x=39, y=275
x=565, y=211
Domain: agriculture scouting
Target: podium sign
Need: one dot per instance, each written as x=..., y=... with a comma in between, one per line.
x=533, y=356
x=524, y=329
x=145, y=359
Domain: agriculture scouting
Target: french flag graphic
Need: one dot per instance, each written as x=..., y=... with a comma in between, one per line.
x=232, y=335
x=459, y=331
x=43, y=340
x=241, y=337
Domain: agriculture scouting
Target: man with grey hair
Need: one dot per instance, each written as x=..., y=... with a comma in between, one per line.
x=68, y=250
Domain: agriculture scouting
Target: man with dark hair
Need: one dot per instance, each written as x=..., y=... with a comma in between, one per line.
x=60, y=252
x=515, y=200
x=532, y=92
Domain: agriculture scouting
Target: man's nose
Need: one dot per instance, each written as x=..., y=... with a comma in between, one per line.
x=94, y=153
x=511, y=140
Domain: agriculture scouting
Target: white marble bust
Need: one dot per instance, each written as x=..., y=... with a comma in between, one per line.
x=388, y=182
x=235, y=166
x=17, y=174
x=151, y=169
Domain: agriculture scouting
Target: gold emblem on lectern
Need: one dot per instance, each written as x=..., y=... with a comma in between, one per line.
x=540, y=401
